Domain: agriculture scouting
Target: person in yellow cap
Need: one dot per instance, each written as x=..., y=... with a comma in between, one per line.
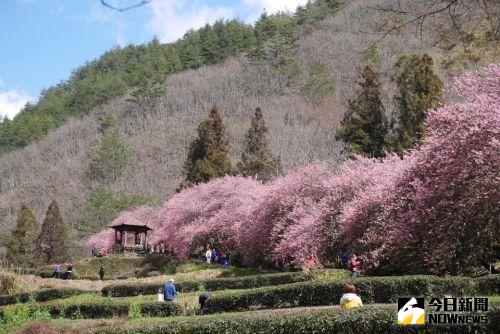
x=350, y=299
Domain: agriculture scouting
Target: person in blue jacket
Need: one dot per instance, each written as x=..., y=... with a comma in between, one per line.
x=170, y=291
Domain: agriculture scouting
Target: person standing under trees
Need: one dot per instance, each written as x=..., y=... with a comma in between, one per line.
x=208, y=255
x=354, y=266
x=101, y=272
x=214, y=256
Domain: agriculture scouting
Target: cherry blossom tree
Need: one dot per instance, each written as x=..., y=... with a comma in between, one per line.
x=435, y=210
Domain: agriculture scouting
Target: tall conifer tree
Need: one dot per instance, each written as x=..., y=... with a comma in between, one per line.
x=111, y=158
x=208, y=153
x=21, y=243
x=256, y=159
x=364, y=126
x=419, y=90
x=53, y=241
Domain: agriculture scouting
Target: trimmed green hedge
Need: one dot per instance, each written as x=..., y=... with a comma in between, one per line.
x=246, y=282
x=370, y=289
x=130, y=290
x=257, y=281
x=372, y=319
x=39, y=296
x=107, y=309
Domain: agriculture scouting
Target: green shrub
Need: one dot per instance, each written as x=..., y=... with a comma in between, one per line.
x=488, y=285
x=247, y=282
x=373, y=319
x=370, y=289
x=98, y=310
x=19, y=314
x=130, y=290
x=254, y=281
x=40, y=296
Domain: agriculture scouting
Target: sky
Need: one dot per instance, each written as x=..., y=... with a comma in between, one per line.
x=43, y=41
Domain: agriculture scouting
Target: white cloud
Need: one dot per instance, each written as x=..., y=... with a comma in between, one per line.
x=171, y=19
x=273, y=6
x=12, y=101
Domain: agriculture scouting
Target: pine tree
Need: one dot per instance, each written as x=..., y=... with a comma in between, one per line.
x=21, y=244
x=111, y=158
x=319, y=83
x=364, y=126
x=256, y=159
x=208, y=153
x=53, y=241
x=419, y=90
x=145, y=95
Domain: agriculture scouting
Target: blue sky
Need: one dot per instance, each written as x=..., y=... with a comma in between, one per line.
x=42, y=41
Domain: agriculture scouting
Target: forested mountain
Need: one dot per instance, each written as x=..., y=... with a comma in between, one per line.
x=123, y=68
x=146, y=101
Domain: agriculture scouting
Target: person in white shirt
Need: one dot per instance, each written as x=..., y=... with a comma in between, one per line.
x=208, y=255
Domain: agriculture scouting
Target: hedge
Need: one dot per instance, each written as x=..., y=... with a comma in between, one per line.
x=130, y=290
x=373, y=319
x=370, y=289
x=107, y=309
x=257, y=281
x=247, y=282
x=40, y=296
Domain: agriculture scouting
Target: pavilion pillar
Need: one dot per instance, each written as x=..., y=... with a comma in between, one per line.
x=124, y=240
x=146, y=241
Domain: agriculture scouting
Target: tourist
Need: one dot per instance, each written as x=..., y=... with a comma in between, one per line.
x=203, y=299
x=170, y=291
x=94, y=252
x=101, y=272
x=222, y=257
x=214, y=256
x=57, y=271
x=350, y=299
x=310, y=262
x=343, y=259
x=161, y=297
x=208, y=255
x=69, y=271
x=354, y=266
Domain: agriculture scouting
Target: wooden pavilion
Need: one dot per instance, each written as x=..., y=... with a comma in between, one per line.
x=130, y=235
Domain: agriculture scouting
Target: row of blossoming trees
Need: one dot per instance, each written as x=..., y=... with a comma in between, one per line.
x=433, y=211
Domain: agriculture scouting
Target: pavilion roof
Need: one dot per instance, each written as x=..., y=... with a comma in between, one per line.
x=128, y=221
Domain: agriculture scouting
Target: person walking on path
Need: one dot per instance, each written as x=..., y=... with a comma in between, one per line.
x=208, y=255
x=170, y=291
x=350, y=299
x=101, y=272
x=354, y=266
x=57, y=271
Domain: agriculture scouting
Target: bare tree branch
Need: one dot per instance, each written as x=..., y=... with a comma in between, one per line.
x=122, y=9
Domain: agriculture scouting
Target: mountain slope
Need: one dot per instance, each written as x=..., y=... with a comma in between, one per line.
x=299, y=131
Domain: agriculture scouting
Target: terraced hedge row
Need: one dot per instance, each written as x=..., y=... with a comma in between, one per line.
x=257, y=281
x=370, y=289
x=97, y=310
x=39, y=296
x=128, y=290
x=373, y=319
